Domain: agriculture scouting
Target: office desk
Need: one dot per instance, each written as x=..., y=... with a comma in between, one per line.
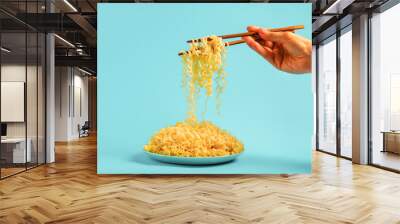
x=391, y=141
x=13, y=150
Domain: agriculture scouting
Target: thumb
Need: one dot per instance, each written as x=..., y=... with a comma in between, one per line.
x=278, y=37
x=292, y=43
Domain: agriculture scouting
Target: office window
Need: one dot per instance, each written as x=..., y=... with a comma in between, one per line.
x=314, y=90
x=13, y=147
x=327, y=95
x=385, y=90
x=22, y=93
x=346, y=92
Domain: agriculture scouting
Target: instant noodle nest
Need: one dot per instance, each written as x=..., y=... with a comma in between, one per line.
x=186, y=139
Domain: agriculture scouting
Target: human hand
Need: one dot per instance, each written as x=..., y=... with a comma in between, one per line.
x=285, y=50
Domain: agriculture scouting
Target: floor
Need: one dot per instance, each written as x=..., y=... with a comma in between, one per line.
x=70, y=191
x=10, y=171
x=387, y=159
x=5, y=172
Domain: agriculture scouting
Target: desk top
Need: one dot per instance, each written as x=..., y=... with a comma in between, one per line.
x=391, y=132
x=13, y=140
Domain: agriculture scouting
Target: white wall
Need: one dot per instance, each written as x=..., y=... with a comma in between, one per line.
x=79, y=117
x=16, y=72
x=12, y=101
x=70, y=84
x=62, y=82
x=33, y=127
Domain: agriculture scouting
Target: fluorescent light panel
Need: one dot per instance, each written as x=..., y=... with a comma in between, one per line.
x=84, y=71
x=65, y=41
x=5, y=50
x=70, y=5
x=328, y=10
x=338, y=6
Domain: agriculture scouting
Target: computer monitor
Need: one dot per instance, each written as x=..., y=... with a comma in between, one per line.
x=3, y=129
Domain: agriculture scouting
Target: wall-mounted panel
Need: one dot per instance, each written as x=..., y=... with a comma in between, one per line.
x=12, y=101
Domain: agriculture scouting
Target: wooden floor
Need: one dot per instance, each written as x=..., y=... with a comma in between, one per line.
x=5, y=172
x=70, y=191
x=386, y=159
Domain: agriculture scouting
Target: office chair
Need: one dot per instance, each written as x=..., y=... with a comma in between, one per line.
x=84, y=130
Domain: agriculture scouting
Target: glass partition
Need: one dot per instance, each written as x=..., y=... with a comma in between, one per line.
x=14, y=153
x=385, y=89
x=346, y=93
x=22, y=101
x=327, y=96
x=32, y=95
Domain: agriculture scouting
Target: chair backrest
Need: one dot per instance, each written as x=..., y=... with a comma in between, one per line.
x=86, y=124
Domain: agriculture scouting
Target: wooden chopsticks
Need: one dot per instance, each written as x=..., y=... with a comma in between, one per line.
x=235, y=35
x=229, y=36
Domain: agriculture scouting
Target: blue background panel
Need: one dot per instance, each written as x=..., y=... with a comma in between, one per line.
x=139, y=87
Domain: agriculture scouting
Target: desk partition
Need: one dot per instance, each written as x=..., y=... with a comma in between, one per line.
x=22, y=101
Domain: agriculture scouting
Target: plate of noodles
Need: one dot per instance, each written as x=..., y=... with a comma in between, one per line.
x=193, y=160
x=193, y=143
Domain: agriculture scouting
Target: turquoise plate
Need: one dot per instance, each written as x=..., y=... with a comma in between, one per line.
x=193, y=160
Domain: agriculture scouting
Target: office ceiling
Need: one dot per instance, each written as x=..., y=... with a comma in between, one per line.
x=76, y=21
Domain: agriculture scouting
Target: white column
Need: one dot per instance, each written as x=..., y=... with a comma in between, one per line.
x=63, y=101
x=50, y=100
x=360, y=90
x=50, y=92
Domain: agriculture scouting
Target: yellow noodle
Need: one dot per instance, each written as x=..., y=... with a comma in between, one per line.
x=201, y=139
x=203, y=62
x=191, y=138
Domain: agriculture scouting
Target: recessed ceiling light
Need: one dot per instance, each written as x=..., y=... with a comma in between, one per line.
x=84, y=71
x=70, y=5
x=64, y=40
x=337, y=7
x=5, y=50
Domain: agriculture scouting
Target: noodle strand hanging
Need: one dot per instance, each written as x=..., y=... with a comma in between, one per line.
x=203, y=62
